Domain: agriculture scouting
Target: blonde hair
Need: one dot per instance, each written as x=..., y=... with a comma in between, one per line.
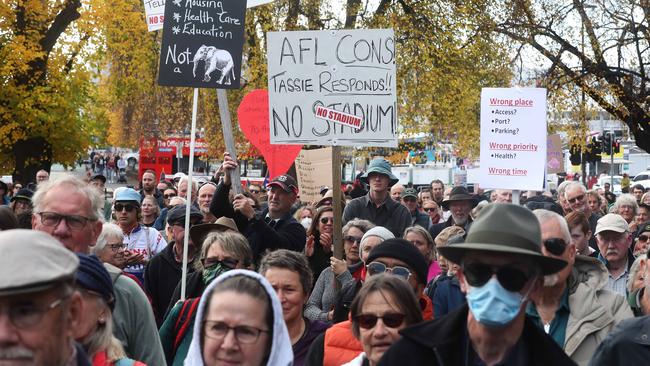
x=231, y=242
x=102, y=339
x=446, y=233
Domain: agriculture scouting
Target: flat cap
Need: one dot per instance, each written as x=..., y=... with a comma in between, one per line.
x=177, y=213
x=49, y=261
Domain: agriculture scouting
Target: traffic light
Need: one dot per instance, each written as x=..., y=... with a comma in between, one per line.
x=617, y=147
x=575, y=155
x=607, y=144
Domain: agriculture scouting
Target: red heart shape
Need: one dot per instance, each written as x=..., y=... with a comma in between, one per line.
x=253, y=115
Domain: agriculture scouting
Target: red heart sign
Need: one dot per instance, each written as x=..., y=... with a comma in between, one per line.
x=253, y=115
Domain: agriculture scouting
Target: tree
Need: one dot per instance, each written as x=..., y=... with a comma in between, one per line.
x=600, y=47
x=45, y=86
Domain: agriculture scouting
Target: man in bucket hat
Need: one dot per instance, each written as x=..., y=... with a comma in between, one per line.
x=501, y=268
x=460, y=203
x=377, y=206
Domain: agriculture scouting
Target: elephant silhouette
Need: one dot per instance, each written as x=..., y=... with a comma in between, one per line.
x=215, y=59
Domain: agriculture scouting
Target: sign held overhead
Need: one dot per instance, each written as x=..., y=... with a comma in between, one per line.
x=202, y=43
x=344, y=77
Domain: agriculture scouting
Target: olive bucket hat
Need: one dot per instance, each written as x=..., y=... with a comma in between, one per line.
x=381, y=166
x=508, y=229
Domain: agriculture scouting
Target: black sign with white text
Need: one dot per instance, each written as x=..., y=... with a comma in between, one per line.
x=202, y=43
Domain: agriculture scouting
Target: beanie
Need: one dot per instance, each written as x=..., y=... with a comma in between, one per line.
x=406, y=252
x=91, y=275
x=378, y=231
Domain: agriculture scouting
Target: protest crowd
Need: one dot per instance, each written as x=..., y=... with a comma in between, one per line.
x=436, y=276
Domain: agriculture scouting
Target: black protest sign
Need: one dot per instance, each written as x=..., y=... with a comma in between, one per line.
x=202, y=43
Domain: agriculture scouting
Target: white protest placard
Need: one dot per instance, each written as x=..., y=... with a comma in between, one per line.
x=347, y=71
x=313, y=170
x=154, y=13
x=513, y=138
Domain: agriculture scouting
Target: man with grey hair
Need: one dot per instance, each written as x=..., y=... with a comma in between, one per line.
x=70, y=210
x=576, y=197
x=614, y=240
x=574, y=307
x=503, y=196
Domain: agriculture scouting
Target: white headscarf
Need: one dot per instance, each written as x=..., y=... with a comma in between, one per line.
x=281, y=351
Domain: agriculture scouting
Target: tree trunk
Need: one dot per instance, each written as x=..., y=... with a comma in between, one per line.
x=31, y=155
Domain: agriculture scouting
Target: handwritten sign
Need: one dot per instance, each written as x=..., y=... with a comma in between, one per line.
x=202, y=43
x=313, y=170
x=253, y=114
x=347, y=71
x=513, y=138
x=154, y=13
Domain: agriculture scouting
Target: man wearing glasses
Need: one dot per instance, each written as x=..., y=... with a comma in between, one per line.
x=576, y=198
x=39, y=309
x=68, y=209
x=569, y=300
x=614, y=241
x=501, y=269
x=164, y=271
x=141, y=242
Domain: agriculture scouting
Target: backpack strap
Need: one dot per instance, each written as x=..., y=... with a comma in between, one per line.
x=184, y=319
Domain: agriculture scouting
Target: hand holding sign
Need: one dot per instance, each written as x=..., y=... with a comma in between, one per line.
x=253, y=114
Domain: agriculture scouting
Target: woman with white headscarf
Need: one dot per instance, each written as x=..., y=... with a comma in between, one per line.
x=240, y=321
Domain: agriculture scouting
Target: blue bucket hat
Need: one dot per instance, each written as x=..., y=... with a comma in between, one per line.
x=128, y=194
x=381, y=166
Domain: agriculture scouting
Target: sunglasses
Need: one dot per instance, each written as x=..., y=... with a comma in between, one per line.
x=119, y=207
x=576, y=199
x=378, y=267
x=555, y=246
x=409, y=199
x=391, y=320
x=167, y=196
x=352, y=239
x=643, y=238
x=512, y=279
x=254, y=191
x=431, y=209
x=325, y=220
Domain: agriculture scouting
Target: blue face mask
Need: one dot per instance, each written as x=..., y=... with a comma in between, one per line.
x=492, y=305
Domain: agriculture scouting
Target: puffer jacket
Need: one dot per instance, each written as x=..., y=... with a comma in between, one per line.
x=595, y=311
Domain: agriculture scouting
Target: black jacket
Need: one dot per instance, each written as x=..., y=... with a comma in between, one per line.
x=287, y=233
x=627, y=344
x=195, y=288
x=161, y=276
x=439, y=342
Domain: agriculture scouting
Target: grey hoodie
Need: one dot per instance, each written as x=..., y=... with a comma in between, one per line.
x=281, y=351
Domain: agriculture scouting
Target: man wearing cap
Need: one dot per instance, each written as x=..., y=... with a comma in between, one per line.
x=165, y=269
x=574, y=307
x=273, y=228
x=40, y=308
x=460, y=204
x=22, y=201
x=149, y=187
x=410, y=201
x=501, y=268
x=99, y=181
x=614, y=240
x=377, y=206
x=141, y=242
x=68, y=209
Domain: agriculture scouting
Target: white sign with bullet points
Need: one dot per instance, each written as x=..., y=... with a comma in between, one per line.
x=513, y=138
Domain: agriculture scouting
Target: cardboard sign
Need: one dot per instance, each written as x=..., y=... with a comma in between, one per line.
x=346, y=71
x=554, y=157
x=202, y=43
x=314, y=170
x=253, y=114
x=154, y=13
x=513, y=138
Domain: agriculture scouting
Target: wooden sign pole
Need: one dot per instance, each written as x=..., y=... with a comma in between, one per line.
x=337, y=240
x=226, y=125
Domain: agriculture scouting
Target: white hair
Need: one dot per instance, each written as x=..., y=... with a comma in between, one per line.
x=625, y=199
x=544, y=216
x=75, y=185
x=108, y=230
x=574, y=185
